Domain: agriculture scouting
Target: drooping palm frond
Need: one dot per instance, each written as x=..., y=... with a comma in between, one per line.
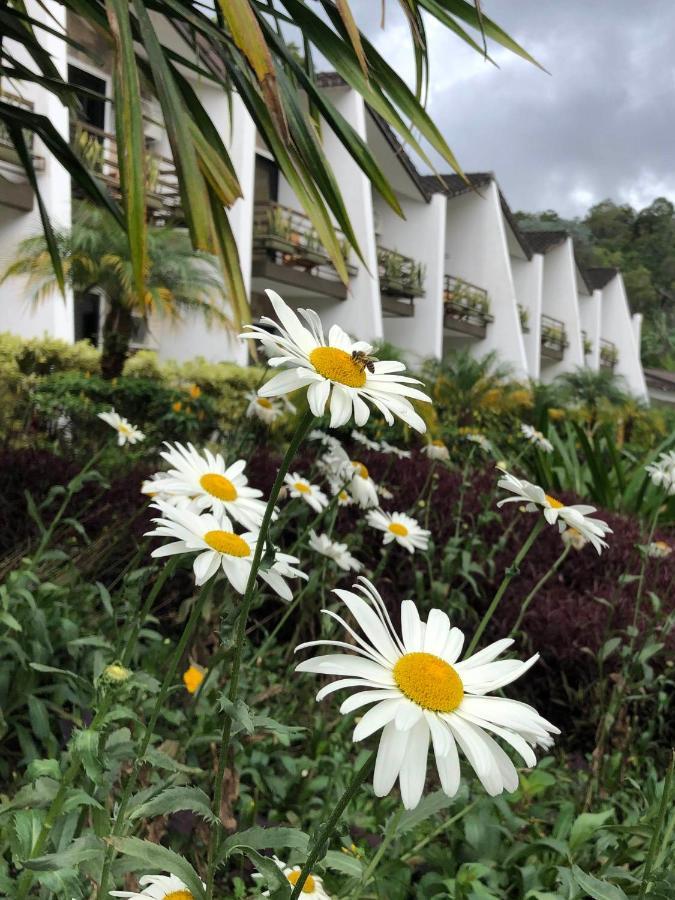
x=247, y=47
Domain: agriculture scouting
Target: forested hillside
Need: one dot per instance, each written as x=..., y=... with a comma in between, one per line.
x=642, y=244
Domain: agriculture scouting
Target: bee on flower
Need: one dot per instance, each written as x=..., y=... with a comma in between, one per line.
x=334, y=550
x=419, y=692
x=217, y=546
x=335, y=369
x=310, y=493
x=126, y=432
x=159, y=887
x=554, y=510
x=537, y=438
x=401, y=528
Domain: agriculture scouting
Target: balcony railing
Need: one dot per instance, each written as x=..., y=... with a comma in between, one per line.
x=98, y=149
x=609, y=354
x=466, y=307
x=288, y=237
x=7, y=151
x=553, y=338
x=400, y=276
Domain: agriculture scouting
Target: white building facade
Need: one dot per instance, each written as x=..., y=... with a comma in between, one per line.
x=456, y=273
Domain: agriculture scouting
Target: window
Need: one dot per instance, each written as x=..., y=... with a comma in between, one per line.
x=87, y=317
x=266, y=180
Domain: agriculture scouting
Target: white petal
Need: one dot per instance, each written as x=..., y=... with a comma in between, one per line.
x=414, y=768
x=390, y=754
x=408, y=714
x=361, y=698
x=317, y=395
x=375, y=718
x=436, y=634
x=411, y=627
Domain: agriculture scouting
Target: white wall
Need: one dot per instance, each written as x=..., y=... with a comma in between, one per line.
x=618, y=327
x=421, y=236
x=528, y=278
x=477, y=250
x=560, y=300
x=54, y=315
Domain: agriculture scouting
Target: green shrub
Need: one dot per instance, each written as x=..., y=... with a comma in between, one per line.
x=42, y=356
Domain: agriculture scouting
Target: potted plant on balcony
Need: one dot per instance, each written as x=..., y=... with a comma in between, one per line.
x=588, y=346
x=524, y=314
x=609, y=355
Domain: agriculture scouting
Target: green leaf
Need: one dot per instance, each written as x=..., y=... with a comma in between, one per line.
x=81, y=850
x=238, y=712
x=586, y=824
x=428, y=806
x=173, y=799
x=86, y=745
x=43, y=768
x=259, y=838
x=343, y=862
x=155, y=856
x=595, y=888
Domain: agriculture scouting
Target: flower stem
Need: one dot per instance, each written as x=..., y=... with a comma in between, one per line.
x=318, y=847
x=539, y=585
x=132, y=780
x=301, y=431
x=506, y=581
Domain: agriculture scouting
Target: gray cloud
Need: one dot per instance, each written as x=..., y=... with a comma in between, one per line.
x=602, y=124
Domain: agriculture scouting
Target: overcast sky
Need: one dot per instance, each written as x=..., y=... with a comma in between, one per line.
x=602, y=124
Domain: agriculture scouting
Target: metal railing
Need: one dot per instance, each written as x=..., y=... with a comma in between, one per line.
x=465, y=302
x=609, y=354
x=553, y=337
x=98, y=149
x=400, y=276
x=288, y=237
x=6, y=144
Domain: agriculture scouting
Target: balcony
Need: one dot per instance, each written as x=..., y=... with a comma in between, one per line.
x=98, y=150
x=287, y=251
x=553, y=338
x=466, y=308
x=609, y=354
x=401, y=281
x=15, y=190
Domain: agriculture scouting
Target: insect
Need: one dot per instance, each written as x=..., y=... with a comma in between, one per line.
x=364, y=361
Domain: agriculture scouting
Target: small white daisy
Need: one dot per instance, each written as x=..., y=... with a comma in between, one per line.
x=159, y=887
x=575, y=516
x=312, y=889
x=574, y=538
x=363, y=439
x=217, y=546
x=480, y=439
x=310, y=493
x=659, y=549
x=386, y=447
x=361, y=486
x=400, y=528
x=316, y=434
x=436, y=449
x=343, y=495
x=537, y=438
x=209, y=483
x=262, y=408
x=335, y=369
x=339, y=553
x=126, y=432
x=421, y=692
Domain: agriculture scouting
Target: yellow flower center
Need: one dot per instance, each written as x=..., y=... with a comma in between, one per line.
x=361, y=470
x=343, y=495
x=437, y=443
x=556, y=504
x=227, y=542
x=429, y=681
x=124, y=429
x=193, y=677
x=662, y=545
x=398, y=529
x=302, y=488
x=219, y=486
x=338, y=365
x=264, y=402
x=179, y=895
x=177, y=406
x=308, y=887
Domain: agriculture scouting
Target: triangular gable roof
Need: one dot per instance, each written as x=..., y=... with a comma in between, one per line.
x=600, y=276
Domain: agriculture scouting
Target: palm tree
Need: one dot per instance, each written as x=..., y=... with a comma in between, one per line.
x=594, y=390
x=95, y=253
x=462, y=382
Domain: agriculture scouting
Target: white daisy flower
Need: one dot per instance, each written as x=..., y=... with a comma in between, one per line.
x=337, y=368
x=659, y=549
x=343, y=495
x=300, y=487
x=159, y=887
x=361, y=486
x=262, y=408
x=420, y=691
x=537, y=438
x=384, y=492
x=480, y=439
x=575, y=516
x=386, y=447
x=662, y=472
x=126, y=432
x=209, y=483
x=339, y=553
x=316, y=434
x=400, y=528
x=436, y=450
x=217, y=546
x=363, y=439
x=312, y=889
